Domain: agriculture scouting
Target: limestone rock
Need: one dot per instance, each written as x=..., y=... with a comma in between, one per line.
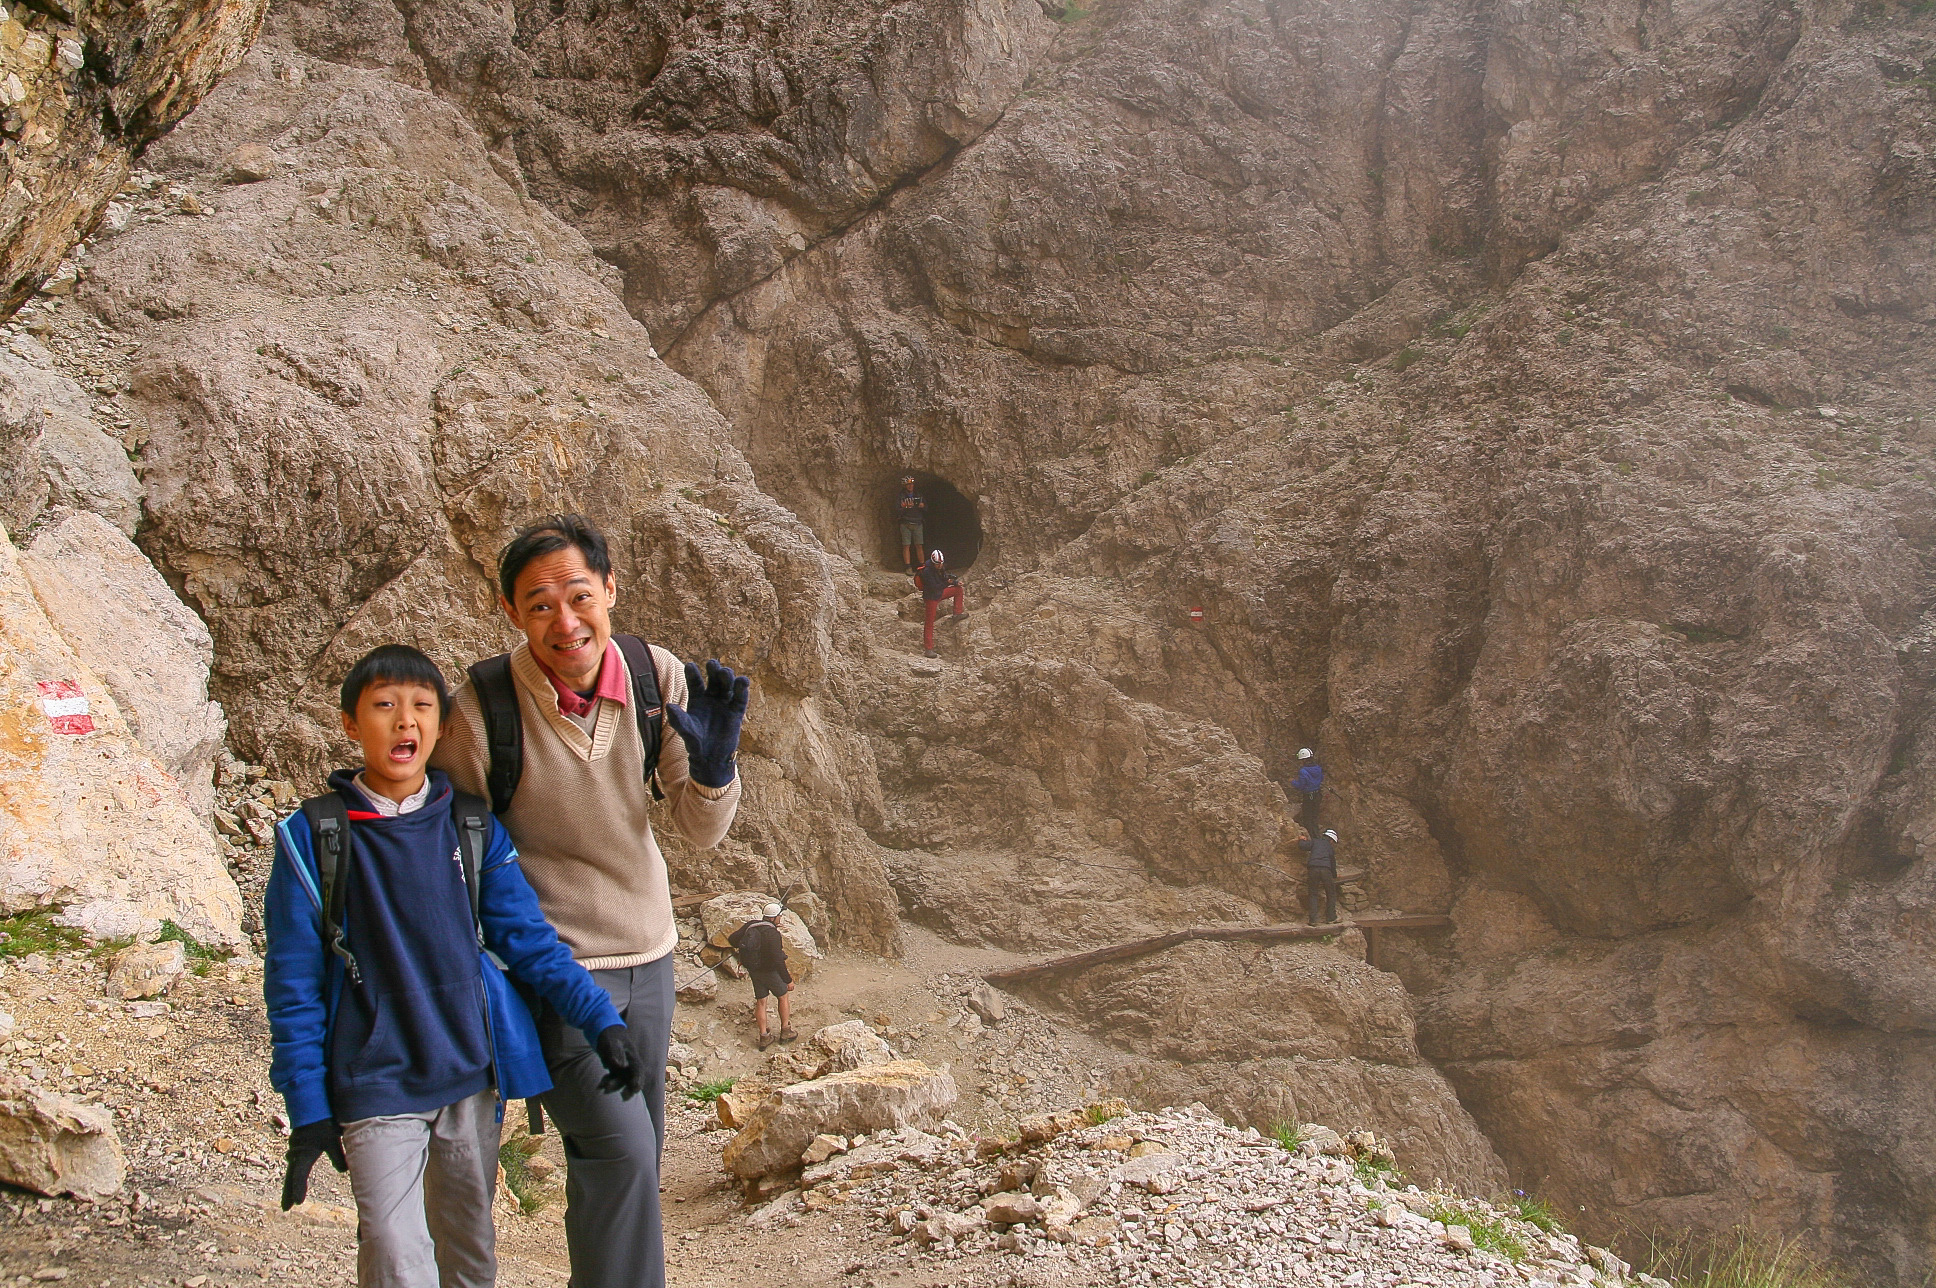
x=949, y=1225
x=850, y=1045
x=55, y=1145
x=88, y=818
x=148, y=647
x=145, y=970
x=821, y=1148
x=701, y=987
x=875, y=1098
x=52, y=452
x=1011, y=1208
x=722, y=915
x=984, y=1001
x=87, y=91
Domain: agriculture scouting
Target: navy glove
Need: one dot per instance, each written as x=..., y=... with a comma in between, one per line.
x=709, y=722
x=308, y=1143
x=624, y=1072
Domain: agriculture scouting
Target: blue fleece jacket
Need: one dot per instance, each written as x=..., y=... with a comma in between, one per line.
x=1310, y=778
x=434, y=1019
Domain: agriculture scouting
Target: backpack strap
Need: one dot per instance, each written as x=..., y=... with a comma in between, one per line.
x=497, y=699
x=650, y=705
x=329, y=828
x=472, y=817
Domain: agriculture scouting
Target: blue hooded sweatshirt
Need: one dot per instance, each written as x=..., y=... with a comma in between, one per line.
x=434, y=1019
x=1310, y=778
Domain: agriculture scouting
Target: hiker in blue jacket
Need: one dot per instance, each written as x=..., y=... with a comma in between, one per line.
x=1308, y=786
x=395, y=911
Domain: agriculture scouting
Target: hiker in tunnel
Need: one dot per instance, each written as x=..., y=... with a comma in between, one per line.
x=937, y=584
x=911, y=511
x=1309, y=786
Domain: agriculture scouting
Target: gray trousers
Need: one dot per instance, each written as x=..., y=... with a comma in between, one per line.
x=1323, y=883
x=612, y=1146
x=423, y=1185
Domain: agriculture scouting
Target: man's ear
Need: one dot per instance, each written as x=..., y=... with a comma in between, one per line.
x=611, y=590
x=509, y=611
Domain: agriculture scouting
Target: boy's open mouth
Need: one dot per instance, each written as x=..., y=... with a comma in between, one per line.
x=404, y=752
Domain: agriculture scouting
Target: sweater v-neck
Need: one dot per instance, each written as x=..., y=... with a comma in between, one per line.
x=589, y=747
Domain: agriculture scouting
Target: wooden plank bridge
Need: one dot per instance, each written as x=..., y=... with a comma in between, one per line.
x=1372, y=927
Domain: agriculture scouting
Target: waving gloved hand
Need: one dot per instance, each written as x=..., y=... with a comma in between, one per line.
x=308, y=1143
x=709, y=722
x=624, y=1071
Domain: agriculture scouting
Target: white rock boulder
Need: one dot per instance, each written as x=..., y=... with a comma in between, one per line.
x=53, y=1145
x=148, y=647
x=89, y=819
x=902, y=1093
x=723, y=914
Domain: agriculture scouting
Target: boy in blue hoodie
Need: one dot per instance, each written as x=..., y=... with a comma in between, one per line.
x=397, y=1036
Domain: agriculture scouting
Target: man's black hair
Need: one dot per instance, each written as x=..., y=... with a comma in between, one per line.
x=393, y=664
x=547, y=536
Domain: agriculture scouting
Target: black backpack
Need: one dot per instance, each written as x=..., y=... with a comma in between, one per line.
x=497, y=699
x=329, y=829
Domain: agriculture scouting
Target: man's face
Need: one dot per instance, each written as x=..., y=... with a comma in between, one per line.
x=564, y=610
x=396, y=724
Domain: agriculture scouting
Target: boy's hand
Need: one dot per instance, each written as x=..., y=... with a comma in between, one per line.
x=709, y=722
x=307, y=1144
x=624, y=1072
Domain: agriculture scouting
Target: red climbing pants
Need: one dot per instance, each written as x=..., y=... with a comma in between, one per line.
x=933, y=606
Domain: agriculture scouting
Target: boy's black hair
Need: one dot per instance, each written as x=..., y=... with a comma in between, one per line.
x=547, y=536
x=393, y=664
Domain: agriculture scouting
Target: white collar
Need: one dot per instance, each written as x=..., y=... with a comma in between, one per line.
x=388, y=808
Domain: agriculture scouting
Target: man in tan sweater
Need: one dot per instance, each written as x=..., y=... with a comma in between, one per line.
x=579, y=814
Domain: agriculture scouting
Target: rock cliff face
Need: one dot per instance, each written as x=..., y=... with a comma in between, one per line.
x=82, y=91
x=1533, y=398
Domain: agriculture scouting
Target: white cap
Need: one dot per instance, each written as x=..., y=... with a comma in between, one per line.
x=1328, y=832
x=1303, y=753
x=773, y=909
x=936, y=556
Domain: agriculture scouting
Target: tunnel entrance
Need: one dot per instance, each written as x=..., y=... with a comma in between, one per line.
x=953, y=522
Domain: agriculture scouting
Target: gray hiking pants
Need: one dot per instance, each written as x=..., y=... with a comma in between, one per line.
x=1323, y=884
x=423, y=1185
x=612, y=1146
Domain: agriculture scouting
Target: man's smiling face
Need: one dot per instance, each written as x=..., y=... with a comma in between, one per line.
x=564, y=610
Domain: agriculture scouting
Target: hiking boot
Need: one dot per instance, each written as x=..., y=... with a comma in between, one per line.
x=932, y=653
x=788, y=1035
x=767, y=1040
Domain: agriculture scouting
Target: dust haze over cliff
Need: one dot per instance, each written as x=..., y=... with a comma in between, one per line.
x=1534, y=398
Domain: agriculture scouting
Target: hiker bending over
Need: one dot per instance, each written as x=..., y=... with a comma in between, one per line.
x=573, y=735
x=395, y=1035
x=937, y=584
x=911, y=510
x=1309, y=787
x=762, y=950
x=1321, y=872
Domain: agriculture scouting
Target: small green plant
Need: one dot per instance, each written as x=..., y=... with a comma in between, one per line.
x=1565, y=335
x=1746, y=1261
x=1489, y=1233
x=1405, y=357
x=200, y=956
x=707, y=1092
x=37, y=932
x=514, y=1156
x=1149, y=477
x=1370, y=1168
x=1536, y=1212
x=1097, y=1115
x=1289, y=1136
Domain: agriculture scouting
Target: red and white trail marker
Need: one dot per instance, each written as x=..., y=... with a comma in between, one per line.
x=66, y=707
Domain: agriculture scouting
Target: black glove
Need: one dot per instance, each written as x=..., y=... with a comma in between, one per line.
x=709, y=723
x=624, y=1071
x=308, y=1143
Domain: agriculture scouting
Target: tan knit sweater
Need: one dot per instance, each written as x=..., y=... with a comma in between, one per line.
x=580, y=818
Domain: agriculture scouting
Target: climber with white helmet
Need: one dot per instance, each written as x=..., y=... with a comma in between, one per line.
x=761, y=948
x=937, y=585
x=1309, y=786
x=1321, y=872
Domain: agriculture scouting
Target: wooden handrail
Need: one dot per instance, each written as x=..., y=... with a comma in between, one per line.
x=1257, y=934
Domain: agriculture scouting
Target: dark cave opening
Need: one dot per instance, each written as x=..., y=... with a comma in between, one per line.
x=953, y=524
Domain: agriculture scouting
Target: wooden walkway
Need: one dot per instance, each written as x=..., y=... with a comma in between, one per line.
x=1371, y=926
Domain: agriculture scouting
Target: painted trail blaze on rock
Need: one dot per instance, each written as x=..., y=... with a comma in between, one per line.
x=66, y=707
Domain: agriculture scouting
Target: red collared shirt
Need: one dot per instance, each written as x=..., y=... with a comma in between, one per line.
x=611, y=684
